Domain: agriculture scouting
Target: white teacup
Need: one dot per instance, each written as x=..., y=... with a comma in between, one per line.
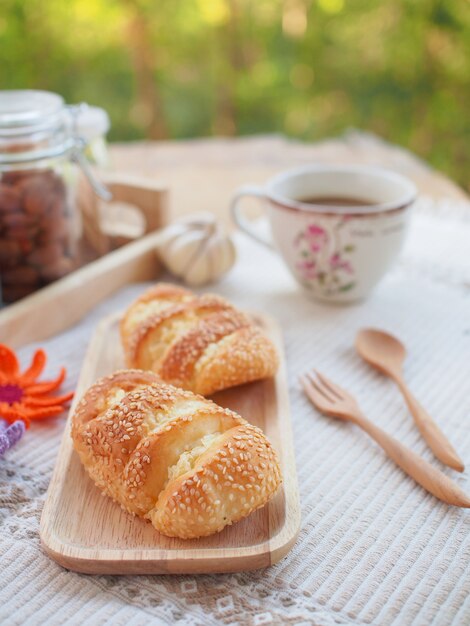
x=338, y=252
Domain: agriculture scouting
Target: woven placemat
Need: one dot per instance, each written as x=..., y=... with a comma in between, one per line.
x=374, y=548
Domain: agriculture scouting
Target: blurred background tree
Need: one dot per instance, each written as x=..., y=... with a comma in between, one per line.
x=306, y=68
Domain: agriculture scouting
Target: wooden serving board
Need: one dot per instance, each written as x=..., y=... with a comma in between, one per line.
x=86, y=532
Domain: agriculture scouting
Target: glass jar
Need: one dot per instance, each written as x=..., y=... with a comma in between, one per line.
x=39, y=226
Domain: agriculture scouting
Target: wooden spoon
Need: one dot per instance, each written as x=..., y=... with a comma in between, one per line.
x=386, y=353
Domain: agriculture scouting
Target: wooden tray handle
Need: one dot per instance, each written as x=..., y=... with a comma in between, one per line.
x=139, y=206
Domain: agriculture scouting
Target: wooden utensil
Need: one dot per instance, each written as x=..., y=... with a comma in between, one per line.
x=386, y=353
x=85, y=532
x=336, y=402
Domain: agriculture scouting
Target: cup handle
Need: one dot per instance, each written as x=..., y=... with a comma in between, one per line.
x=238, y=217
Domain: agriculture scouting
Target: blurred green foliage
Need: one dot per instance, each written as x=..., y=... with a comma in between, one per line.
x=307, y=68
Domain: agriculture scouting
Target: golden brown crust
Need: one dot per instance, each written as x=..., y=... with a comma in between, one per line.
x=163, y=449
x=171, y=294
x=173, y=332
x=227, y=484
x=138, y=336
x=179, y=362
x=241, y=357
x=148, y=330
x=97, y=398
x=164, y=453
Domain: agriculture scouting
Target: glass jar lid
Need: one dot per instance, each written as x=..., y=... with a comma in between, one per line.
x=26, y=111
x=33, y=125
x=38, y=125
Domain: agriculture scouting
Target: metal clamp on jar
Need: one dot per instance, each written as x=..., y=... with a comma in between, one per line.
x=40, y=153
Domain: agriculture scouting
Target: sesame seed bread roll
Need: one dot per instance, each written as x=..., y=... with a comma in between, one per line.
x=172, y=457
x=199, y=343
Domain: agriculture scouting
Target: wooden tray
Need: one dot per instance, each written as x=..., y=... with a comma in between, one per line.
x=124, y=260
x=86, y=532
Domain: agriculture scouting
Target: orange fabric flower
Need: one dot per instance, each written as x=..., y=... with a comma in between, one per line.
x=21, y=396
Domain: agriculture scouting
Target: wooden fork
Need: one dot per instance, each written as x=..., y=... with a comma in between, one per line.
x=336, y=402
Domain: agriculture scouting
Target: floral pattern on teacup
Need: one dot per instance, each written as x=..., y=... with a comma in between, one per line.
x=323, y=263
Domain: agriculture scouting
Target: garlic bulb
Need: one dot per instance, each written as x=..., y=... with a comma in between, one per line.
x=196, y=249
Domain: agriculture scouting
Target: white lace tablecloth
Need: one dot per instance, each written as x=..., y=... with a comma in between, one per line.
x=374, y=548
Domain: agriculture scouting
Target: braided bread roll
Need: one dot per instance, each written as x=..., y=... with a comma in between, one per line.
x=177, y=459
x=200, y=343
